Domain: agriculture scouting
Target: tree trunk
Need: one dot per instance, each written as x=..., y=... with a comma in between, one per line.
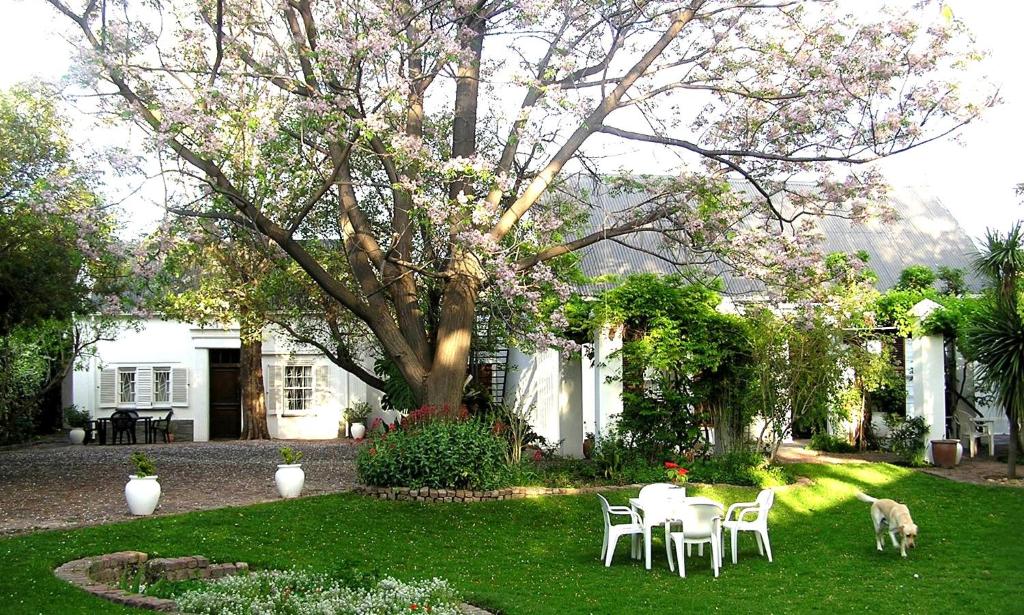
x=254, y=407
x=447, y=377
x=1011, y=454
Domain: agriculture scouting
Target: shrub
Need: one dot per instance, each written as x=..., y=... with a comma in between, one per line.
x=144, y=466
x=441, y=454
x=76, y=417
x=305, y=592
x=830, y=444
x=290, y=456
x=907, y=438
x=741, y=467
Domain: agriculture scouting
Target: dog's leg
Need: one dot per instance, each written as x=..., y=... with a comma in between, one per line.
x=878, y=533
x=895, y=543
x=903, y=547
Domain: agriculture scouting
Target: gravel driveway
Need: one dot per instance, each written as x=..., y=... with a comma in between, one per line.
x=58, y=485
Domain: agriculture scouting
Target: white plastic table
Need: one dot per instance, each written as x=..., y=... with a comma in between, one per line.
x=637, y=505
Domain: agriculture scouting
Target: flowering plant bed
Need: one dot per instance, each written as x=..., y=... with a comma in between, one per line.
x=294, y=591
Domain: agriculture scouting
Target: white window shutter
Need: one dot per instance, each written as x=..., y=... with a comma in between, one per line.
x=179, y=386
x=275, y=389
x=108, y=388
x=144, y=387
x=321, y=388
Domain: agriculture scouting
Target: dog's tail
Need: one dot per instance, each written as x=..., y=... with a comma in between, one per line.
x=863, y=497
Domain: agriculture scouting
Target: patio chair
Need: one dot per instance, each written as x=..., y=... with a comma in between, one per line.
x=657, y=501
x=759, y=524
x=122, y=426
x=701, y=523
x=162, y=426
x=974, y=430
x=612, y=531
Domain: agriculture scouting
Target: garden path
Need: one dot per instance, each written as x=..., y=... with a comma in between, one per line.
x=56, y=485
x=980, y=470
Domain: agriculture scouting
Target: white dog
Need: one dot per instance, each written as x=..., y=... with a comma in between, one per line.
x=895, y=518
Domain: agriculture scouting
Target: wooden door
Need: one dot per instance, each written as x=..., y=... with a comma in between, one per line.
x=225, y=394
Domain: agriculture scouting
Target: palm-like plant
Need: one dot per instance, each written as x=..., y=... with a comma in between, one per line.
x=995, y=337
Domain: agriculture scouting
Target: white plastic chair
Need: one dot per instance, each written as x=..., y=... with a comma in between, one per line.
x=701, y=523
x=759, y=524
x=974, y=430
x=658, y=502
x=612, y=532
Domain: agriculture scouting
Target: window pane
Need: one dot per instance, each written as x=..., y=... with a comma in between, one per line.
x=298, y=387
x=126, y=392
x=161, y=385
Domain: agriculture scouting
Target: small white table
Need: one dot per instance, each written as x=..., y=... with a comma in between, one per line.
x=638, y=506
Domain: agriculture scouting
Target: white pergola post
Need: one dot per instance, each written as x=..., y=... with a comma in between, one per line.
x=925, y=376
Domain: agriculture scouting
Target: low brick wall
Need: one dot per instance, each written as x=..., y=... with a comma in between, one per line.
x=426, y=494
x=101, y=574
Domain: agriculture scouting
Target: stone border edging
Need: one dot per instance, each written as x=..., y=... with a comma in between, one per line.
x=99, y=574
x=428, y=494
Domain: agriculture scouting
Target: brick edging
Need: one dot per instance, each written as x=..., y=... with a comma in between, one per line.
x=100, y=574
x=428, y=494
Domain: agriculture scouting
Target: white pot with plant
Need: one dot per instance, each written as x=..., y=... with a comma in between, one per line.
x=289, y=477
x=356, y=416
x=77, y=421
x=142, y=490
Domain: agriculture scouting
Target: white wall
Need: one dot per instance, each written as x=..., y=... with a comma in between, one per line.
x=926, y=386
x=159, y=342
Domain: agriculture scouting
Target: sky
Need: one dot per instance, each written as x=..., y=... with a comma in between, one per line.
x=975, y=175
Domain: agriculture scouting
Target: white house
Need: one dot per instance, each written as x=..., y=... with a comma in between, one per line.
x=156, y=366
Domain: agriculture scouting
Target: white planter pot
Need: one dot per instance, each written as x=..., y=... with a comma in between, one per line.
x=76, y=435
x=358, y=430
x=142, y=493
x=289, y=480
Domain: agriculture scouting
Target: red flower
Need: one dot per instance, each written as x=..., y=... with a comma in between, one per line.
x=413, y=606
x=537, y=455
x=682, y=471
x=671, y=464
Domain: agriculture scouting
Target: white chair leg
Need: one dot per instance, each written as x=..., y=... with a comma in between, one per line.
x=647, y=548
x=991, y=446
x=680, y=559
x=611, y=550
x=668, y=550
x=700, y=550
x=734, y=535
x=604, y=543
x=767, y=544
x=760, y=547
x=715, y=555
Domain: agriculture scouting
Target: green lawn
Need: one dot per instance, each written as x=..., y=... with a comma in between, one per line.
x=540, y=556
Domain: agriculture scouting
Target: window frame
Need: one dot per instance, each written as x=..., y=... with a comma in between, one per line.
x=119, y=388
x=163, y=369
x=308, y=399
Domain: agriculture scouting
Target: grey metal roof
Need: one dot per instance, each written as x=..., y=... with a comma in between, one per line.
x=926, y=233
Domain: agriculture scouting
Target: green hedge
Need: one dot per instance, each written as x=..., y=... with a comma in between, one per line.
x=442, y=454
x=748, y=468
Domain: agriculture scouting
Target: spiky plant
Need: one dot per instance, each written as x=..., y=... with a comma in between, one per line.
x=995, y=337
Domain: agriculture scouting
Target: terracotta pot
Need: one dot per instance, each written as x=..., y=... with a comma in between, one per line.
x=944, y=453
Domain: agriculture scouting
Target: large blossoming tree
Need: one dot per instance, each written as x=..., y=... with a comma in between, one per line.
x=405, y=154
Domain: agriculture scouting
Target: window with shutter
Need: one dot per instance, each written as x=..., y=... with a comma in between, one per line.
x=298, y=389
x=179, y=386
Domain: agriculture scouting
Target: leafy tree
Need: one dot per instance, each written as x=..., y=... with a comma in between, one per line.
x=953, y=283
x=385, y=128
x=995, y=336
x=683, y=363
x=916, y=277
x=58, y=258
